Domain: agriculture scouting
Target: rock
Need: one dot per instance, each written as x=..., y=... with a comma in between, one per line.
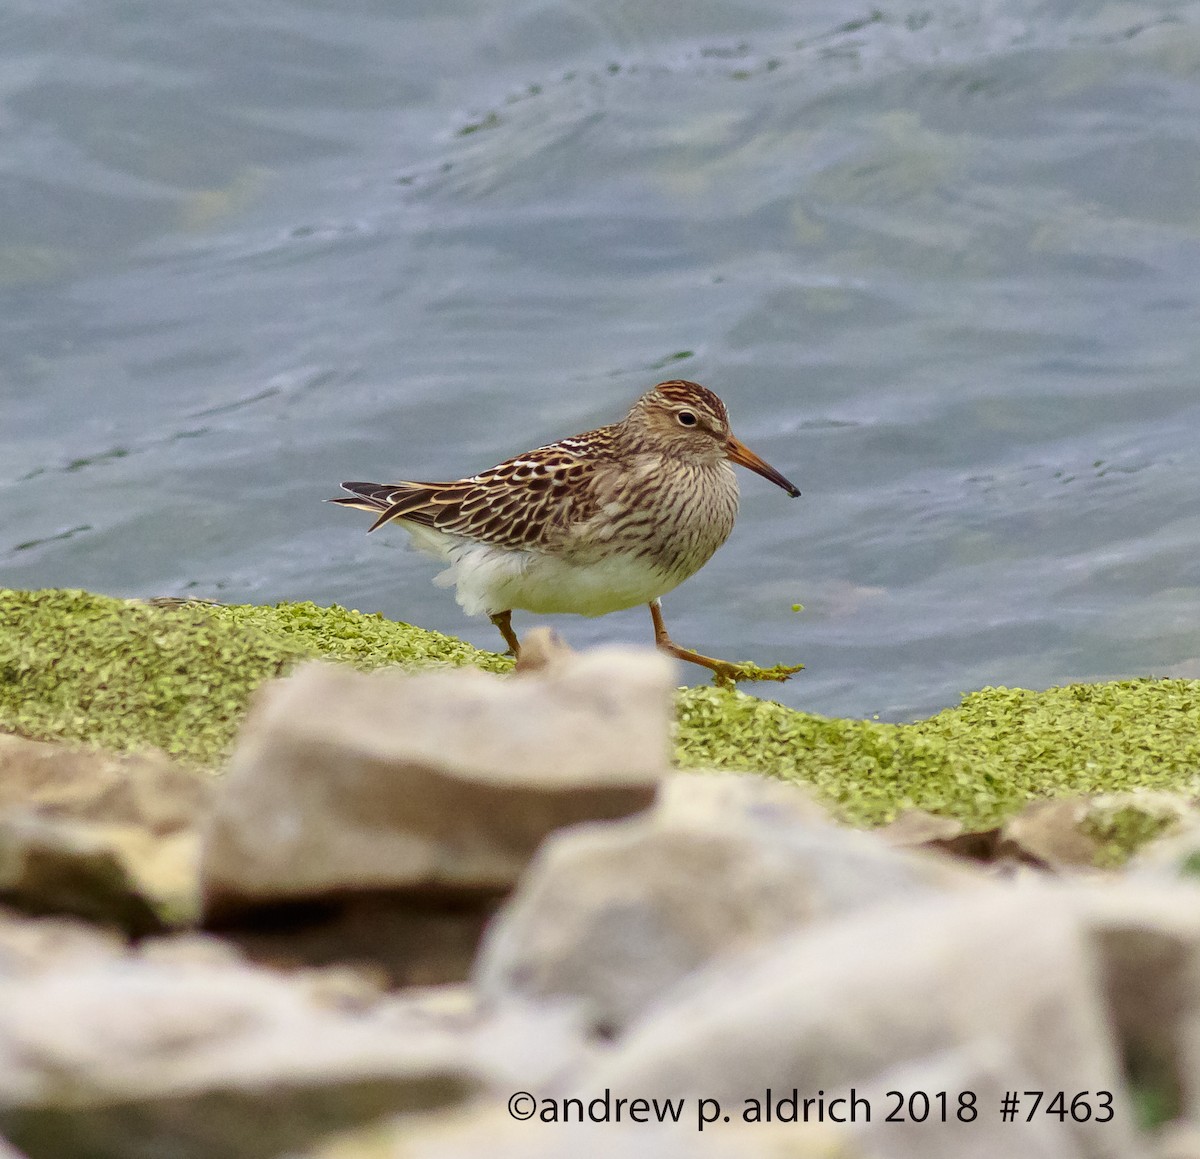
x=54, y=867
x=614, y=915
x=138, y=1059
x=1145, y=939
x=87, y=784
x=1051, y=833
x=491, y=1131
x=975, y=1079
x=1174, y=855
x=390, y=811
x=188, y=949
x=1174, y=851
x=437, y=781
x=29, y=945
x=518, y=1047
x=411, y=942
x=916, y=827
x=719, y=799
x=541, y=649
x=836, y=1004
x=112, y=838
x=450, y=1007
x=1101, y=830
x=1179, y=1141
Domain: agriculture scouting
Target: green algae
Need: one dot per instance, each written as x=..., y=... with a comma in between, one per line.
x=1119, y=832
x=366, y=641
x=126, y=675
x=979, y=762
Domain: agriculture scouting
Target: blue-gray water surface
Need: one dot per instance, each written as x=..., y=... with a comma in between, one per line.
x=942, y=260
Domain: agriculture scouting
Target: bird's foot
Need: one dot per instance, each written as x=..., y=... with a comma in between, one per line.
x=726, y=673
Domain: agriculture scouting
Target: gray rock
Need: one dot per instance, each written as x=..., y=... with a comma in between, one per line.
x=841, y=1002
x=78, y=783
x=1052, y=833
x=29, y=945
x=916, y=827
x=63, y=867
x=911, y=1121
x=437, y=783
x=1067, y=833
x=138, y=1059
x=407, y=941
x=111, y=838
x=517, y=1047
x=1175, y=854
x=1179, y=1141
x=614, y=915
x=492, y=1132
x=1145, y=939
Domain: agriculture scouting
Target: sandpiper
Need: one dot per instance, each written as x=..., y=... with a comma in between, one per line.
x=590, y=524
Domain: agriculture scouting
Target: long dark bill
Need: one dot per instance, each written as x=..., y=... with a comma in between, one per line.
x=738, y=452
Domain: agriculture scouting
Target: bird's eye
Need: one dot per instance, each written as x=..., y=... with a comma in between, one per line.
x=686, y=418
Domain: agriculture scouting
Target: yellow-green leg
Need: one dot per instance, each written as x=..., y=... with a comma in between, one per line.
x=724, y=671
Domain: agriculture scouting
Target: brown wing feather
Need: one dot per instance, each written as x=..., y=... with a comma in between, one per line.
x=530, y=501
x=527, y=502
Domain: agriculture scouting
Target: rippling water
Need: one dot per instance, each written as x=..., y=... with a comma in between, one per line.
x=941, y=260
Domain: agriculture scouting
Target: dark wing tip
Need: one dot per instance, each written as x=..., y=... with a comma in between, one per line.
x=387, y=516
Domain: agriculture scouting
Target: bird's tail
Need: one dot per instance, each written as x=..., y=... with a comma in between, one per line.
x=392, y=500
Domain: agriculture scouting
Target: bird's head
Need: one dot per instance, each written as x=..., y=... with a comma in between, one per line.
x=688, y=421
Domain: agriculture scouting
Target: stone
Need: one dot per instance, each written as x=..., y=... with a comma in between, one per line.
x=716, y=798
x=840, y=1002
x=438, y=783
x=113, y=838
x=379, y=819
x=1179, y=1141
x=542, y=649
x=1175, y=853
x=29, y=945
x=87, y=784
x=612, y=916
x=491, y=1131
x=56, y=867
x=910, y=1121
x=1051, y=833
x=134, y=1058
x=410, y=941
x=917, y=827
x=1173, y=856
x=1145, y=940
x=188, y=949
x=518, y=1047
x=1100, y=830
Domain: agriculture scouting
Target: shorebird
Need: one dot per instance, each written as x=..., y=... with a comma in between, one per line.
x=591, y=524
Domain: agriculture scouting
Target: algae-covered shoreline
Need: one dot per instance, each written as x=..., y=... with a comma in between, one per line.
x=127, y=675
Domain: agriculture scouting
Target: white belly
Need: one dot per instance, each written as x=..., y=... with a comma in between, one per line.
x=490, y=580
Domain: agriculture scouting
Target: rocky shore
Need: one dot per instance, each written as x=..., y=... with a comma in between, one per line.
x=300, y=881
